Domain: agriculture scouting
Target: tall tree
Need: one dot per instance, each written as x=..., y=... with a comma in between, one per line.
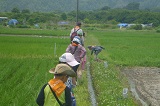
x=15, y=10
x=64, y=16
x=26, y=11
x=105, y=8
x=132, y=6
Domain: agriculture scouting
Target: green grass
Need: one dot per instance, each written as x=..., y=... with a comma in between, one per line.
x=122, y=49
x=129, y=48
x=25, y=31
x=24, y=66
x=81, y=91
x=31, y=46
x=21, y=80
x=25, y=61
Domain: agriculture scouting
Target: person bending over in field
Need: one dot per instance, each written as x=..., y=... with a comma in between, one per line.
x=95, y=50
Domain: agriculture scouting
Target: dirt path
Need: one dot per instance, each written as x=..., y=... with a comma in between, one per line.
x=145, y=81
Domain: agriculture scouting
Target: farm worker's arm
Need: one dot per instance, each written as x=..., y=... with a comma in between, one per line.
x=83, y=52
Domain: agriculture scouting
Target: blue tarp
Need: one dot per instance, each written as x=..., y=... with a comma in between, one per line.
x=12, y=22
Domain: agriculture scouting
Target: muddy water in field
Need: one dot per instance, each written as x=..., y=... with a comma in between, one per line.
x=144, y=84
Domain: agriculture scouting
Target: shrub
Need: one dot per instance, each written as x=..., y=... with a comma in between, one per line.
x=136, y=27
x=148, y=28
x=23, y=26
x=158, y=30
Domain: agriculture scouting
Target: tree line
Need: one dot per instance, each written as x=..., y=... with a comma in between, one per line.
x=70, y=5
x=104, y=15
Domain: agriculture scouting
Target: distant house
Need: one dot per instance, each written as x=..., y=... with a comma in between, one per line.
x=3, y=18
x=147, y=25
x=122, y=25
x=130, y=25
x=63, y=23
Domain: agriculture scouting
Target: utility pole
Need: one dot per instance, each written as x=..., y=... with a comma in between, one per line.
x=77, y=11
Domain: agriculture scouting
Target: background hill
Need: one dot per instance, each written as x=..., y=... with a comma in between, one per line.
x=70, y=5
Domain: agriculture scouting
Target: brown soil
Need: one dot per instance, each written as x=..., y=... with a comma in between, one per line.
x=144, y=84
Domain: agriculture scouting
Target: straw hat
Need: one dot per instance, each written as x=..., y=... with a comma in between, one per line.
x=63, y=69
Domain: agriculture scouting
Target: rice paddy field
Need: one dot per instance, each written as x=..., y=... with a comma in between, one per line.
x=123, y=48
x=25, y=61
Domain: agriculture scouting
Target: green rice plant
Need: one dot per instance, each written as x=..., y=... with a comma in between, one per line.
x=24, y=65
x=140, y=48
x=30, y=46
x=21, y=79
x=25, y=31
x=25, y=61
x=122, y=48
